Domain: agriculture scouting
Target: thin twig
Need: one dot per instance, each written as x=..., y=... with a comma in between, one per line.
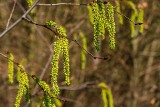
x=86, y=4
x=38, y=30
x=73, y=40
x=5, y=56
x=33, y=77
x=135, y=23
x=14, y=5
x=43, y=72
x=68, y=4
x=80, y=87
x=20, y=19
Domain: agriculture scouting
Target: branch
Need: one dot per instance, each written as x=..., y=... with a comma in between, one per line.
x=14, y=5
x=33, y=77
x=20, y=19
x=135, y=23
x=73, y=40
x=68, y=4
x=80, y=87
x=86, y=4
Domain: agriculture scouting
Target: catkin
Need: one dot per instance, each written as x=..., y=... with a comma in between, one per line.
x=10, y=68
x=29, y=2
x=83, y=53
x=118, y=9
x=54, y=72
x=23, y=89
x=66, y=68
x=140, y=19
x=111, y=24
x=133, y=18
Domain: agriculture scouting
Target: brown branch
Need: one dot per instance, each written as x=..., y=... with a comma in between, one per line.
x=33, y=77
x=19, y=20
x=86, y=4
x=80, y=87
x=14, y=5
x=69, y=4
x=135, y=23
x=73, y=40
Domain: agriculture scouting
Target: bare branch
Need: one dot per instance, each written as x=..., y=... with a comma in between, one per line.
x=68, y=4
x=20, y=19
x=14, y=5
x=73, y=40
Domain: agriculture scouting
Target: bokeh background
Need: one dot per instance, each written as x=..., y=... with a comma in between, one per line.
x=132, y=71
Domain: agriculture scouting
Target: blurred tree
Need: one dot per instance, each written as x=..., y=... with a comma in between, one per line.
x=131, y=71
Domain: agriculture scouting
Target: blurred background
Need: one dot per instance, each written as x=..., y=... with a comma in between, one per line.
x=132, y=71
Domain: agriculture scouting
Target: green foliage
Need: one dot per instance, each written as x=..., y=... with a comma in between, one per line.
x=111, y=24
x=29, y=2
x=23, y=89
x=106, y=95
x=83, y=53
x=10, y=68
x=140, y=19
x=133, y=17
x=118, y=9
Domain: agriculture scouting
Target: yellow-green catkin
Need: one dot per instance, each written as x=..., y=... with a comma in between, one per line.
x=47, y=101
x=96, y=25
x=104, y=98
x=111, y=24
x=106, y=95
x=42, y=84
x=102, y=19
x=50, y=24
x=110, y=97
x=140, y=20
x=60, y=47
x=20, y=69
x=118, y=9
x=65, y=53
x=54, y=72
x=19, y=95
x=90, y=14
x=58, y=103
x=23, y=89
x=83, y=53
x=133, y=18
x=66, y=66
x=10, y=68
x=29, y=2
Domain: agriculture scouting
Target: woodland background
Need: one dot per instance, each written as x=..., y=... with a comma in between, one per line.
x=132, y=72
